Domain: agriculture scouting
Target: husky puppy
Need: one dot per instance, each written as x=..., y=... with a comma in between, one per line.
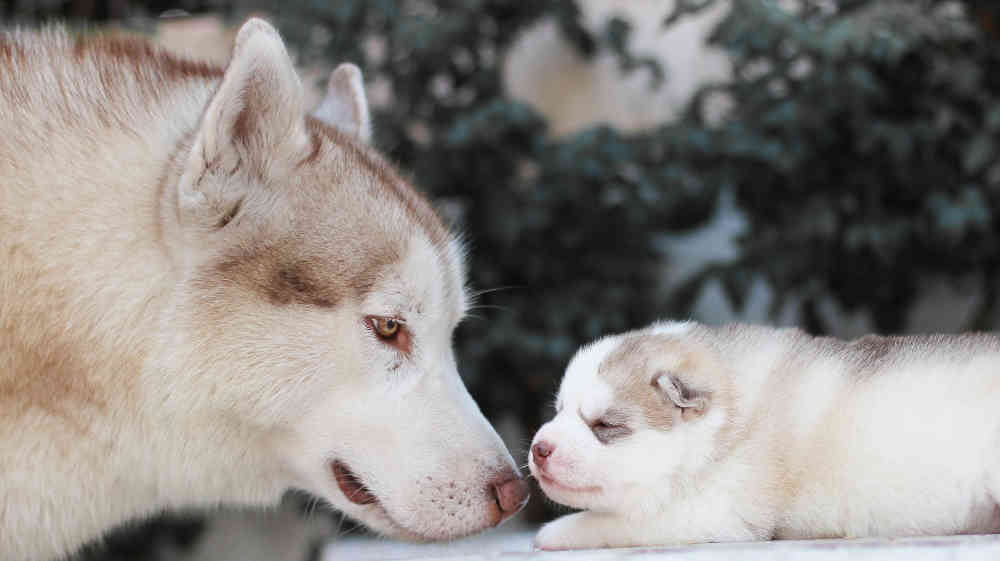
x=683, y=433
x=207, y=297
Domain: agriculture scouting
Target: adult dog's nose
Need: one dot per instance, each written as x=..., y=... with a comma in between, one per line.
x=511, y=493
x=541, y=451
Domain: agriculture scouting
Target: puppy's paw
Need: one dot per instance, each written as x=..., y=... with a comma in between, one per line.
x=574, y=531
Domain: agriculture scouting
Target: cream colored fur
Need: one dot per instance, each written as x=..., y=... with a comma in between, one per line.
x=802, y=437
x=188, y=271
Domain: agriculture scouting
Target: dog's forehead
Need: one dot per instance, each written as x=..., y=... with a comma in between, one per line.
x=659, y=346
x=581, y=387
x=341, y=224
x=427, y=281
x=356, y=181
x=429, y=261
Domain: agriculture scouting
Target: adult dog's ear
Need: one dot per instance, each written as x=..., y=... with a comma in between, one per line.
x=692, y=403
x=345, y=106
x=254, y=122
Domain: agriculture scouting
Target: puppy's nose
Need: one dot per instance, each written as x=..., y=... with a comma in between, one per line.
x=541, y=451
x=511, y=493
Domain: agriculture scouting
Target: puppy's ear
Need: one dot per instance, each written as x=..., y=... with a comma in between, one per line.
x=345, y=106
x=692, y=403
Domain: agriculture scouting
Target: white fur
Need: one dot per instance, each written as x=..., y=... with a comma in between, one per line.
x=803, y=438
x=136, y=377
x=581, y=387
x=671, y=327
x=345, y=105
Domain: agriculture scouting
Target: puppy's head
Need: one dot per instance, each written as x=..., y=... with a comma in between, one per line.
x=635, y=414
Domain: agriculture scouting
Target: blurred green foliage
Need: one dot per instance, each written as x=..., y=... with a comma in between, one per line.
x=863, y=147
x=560, y=231
x=861, y=143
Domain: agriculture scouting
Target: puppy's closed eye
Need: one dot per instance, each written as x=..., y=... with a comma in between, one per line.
x=608, y=430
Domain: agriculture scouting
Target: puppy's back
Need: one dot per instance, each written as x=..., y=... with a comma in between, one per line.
x=890, y=435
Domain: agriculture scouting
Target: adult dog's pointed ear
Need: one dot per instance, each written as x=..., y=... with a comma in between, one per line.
x=253, y=124
x=692, y=403
x=345, y=106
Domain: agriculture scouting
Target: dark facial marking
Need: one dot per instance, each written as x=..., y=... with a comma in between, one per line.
x=293, y=285
x=281, y=283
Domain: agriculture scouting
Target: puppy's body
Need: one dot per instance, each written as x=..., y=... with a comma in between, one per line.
x=747, y=433
x=208, y=297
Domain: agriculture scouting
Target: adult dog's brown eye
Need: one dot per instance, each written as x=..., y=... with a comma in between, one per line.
x=392, y=332
x=385, y=328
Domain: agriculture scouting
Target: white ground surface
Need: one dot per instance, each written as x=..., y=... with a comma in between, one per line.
x=515, y=543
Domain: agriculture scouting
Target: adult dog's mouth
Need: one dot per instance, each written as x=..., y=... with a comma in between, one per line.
x=351, y=485
x=377, y=516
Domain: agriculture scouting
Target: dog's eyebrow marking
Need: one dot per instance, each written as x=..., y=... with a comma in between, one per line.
x=615, y=416
x=281, y=283
x=294, y=284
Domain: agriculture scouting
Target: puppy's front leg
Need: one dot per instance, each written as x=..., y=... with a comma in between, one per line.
x=582, y=530
x=591, y=530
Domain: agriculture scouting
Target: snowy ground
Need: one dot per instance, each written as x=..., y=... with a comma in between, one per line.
x=515, y=543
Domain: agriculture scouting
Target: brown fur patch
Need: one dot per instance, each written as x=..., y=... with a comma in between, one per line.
x=140, y=54
x=316, y=144
x=55, y=384
x=139, y=63
x=333, y=256
x=629, y=370
x=282, y=282
x=9, y=50
x=74, y=81
x=44, y=371
x=872, y=354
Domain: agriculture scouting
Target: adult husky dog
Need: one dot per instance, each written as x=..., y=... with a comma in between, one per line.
x=208, y=297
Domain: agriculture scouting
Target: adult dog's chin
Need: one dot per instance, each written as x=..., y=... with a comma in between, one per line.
x=365, y=506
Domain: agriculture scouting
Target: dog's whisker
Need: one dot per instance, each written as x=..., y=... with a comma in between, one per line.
x=490, y=307
x=350, y=530
x=478, y=293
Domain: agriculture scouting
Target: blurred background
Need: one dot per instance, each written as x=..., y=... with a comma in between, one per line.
x=831, y=164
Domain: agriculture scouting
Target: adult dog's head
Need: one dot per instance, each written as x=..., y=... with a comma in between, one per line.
x=311, y=334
